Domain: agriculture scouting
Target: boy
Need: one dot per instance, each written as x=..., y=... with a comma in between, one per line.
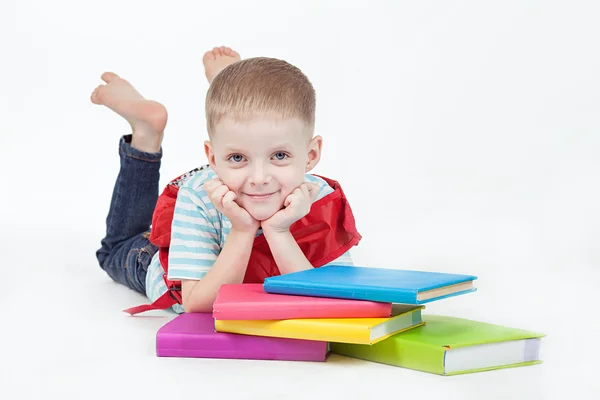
x=233, y=218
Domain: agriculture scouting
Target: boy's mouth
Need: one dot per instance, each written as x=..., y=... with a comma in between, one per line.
x=260, y=196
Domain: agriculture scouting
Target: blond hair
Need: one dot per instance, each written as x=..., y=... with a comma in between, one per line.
x=260, y=86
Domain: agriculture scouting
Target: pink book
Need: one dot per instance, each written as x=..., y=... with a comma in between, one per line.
x=248, y=301
x=192, y=335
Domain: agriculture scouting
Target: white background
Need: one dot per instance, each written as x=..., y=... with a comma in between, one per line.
x=465, y=134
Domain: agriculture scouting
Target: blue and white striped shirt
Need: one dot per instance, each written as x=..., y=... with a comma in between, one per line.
x=199, y=232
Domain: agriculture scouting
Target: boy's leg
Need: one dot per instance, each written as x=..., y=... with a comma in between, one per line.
x=126, y=251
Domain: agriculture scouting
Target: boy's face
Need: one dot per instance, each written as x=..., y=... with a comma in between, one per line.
x=262, y=160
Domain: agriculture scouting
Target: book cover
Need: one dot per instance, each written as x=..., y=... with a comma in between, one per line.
x=451, y=346
x=346, y=330
x=371, y=284
x=250, y=302
x=193, y=335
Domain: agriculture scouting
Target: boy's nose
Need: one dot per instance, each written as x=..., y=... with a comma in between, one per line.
x=259, y=177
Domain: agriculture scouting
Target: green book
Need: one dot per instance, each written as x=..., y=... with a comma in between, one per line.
x=451, y=346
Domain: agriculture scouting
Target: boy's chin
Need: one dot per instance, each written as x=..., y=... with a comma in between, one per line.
x=261, y=214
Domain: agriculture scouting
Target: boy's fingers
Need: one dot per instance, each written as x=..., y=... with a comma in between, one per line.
x=288, y=201
x=221, y=191
x=314, y=192
x=305, y=190
x=313, y=189
x=292, y=197
x=210, y=185
x=213, y=182
x=296, y=195
x=310, y=191
x=217, y=195
x=228, y=199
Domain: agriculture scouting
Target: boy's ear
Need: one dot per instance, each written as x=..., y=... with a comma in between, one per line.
x=314, y=152
x=210, y=155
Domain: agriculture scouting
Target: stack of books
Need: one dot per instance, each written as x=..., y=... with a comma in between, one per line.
x=374, y=314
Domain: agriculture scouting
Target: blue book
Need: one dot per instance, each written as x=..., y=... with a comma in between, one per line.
x=372, y=284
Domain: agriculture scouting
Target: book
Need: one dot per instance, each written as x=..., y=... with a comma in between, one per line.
x=371, y=284
x=192, y=335
x=248, y=301
x=346, y=330
x=451, y=346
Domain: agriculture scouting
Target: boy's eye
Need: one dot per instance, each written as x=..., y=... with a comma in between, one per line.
x=237, y=158
x=280, y=156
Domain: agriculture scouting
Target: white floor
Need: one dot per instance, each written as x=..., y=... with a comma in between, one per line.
x=74, y=342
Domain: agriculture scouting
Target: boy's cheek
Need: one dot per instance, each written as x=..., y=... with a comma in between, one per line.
x=229, y=180
x=293, y=186
x=293, y=178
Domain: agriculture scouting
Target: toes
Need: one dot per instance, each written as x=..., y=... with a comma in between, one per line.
x=228, y=51
x=208, y=56
x=218, y=52
x=108, y=76
x=95, y=97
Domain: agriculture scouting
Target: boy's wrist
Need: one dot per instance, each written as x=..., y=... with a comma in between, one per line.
x=243, y=233
x=267, y=231
x=286, y=251
x=278, y=237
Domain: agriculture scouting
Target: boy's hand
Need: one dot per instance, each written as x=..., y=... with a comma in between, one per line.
x=224, y=201
x=297, y=205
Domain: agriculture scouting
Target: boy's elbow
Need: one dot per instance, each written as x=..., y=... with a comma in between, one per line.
x=190, y=307
x=192, y=302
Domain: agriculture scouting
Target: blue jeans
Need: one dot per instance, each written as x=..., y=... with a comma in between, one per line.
x=126, y=251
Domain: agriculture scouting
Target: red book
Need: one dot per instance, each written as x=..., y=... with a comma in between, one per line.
x=248, y=301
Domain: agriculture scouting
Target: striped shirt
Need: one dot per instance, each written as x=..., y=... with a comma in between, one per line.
x=199, y=232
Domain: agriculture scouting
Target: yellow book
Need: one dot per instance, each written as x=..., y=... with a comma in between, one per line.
x=340, y=330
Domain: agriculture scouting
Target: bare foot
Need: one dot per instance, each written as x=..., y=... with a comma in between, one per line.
x=147, y=118
x=216, y=60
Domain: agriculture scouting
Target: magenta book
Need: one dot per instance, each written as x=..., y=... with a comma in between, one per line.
x=192, y=335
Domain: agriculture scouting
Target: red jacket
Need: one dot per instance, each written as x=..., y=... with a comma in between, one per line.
x=324, y=234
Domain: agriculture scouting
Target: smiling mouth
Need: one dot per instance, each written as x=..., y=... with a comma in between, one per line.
x=262, y=196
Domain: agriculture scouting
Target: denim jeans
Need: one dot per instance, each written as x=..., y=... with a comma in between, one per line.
x=126, y=251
